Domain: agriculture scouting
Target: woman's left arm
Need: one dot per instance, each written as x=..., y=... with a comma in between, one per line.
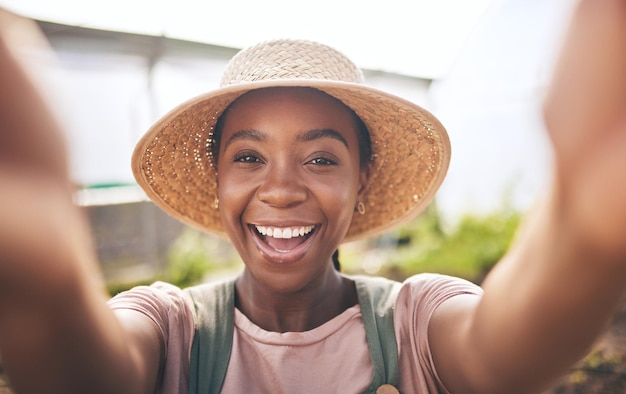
x=559, y=285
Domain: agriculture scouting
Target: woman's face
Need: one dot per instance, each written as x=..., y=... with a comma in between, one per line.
x=288, y=181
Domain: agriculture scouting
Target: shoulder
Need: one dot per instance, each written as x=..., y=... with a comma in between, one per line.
x=422, y=292
x=156, y=293
x=161, y=302
x=420, y=295
x=438, y=287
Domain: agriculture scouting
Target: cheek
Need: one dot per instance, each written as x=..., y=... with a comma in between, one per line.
x=340, y=193
x=338, y=198
x=233, y=197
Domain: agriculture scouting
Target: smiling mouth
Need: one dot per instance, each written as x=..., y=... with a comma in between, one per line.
x=284, y=239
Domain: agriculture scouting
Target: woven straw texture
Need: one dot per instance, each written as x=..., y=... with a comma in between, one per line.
x=411, y=150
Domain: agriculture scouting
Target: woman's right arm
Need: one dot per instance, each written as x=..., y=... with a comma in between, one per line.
x=57, y=334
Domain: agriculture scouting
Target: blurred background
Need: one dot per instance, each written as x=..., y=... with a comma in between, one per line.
x=481, y=66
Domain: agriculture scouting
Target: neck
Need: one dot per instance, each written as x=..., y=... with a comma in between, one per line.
x=297, y=310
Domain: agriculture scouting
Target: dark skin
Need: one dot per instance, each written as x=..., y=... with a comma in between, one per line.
x=288, y=158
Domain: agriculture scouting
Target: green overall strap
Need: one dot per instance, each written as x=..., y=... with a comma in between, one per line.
x=377, y=298
x=214, y=305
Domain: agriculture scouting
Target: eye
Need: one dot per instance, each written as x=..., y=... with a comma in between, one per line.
x=247, y=158
x=322, y=161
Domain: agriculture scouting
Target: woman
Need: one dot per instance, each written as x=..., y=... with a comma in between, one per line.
x=282, y=166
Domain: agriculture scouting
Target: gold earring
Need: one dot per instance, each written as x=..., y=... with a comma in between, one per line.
x=216, y=203
x=360, y=207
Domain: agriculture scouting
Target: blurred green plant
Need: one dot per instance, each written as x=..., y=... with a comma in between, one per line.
x=599, y=372
x=468, y=249
x=196, y=256
x=191, y=259
x=596, y=362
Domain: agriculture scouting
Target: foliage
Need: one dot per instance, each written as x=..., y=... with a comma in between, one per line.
x=468, y=249
x=191, y=259
x=194, y=256
x=600, y=372
x=596, y=362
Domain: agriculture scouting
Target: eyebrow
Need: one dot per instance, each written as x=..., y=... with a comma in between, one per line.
x=316, y=134
x=310, y=135
x=248, y=134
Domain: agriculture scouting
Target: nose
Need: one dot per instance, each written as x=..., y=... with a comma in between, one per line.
x=282, y=187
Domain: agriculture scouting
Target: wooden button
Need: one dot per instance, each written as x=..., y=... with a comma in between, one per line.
x=387, y=389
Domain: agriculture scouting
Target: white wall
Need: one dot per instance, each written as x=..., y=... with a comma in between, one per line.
x=490, y=102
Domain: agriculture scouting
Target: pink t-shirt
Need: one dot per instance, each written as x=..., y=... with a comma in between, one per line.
x=333, y=357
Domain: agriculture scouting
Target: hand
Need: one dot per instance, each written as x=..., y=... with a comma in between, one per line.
x=585, y=114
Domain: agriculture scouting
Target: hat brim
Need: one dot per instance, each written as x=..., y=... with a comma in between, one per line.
x=411, y=155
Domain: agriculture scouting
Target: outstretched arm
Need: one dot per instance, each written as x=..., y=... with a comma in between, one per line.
x=56, y=333
x=554, y=292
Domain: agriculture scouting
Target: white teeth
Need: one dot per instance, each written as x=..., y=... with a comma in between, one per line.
x=286, y=232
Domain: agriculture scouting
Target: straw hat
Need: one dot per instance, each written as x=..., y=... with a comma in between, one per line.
x=410, y=147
